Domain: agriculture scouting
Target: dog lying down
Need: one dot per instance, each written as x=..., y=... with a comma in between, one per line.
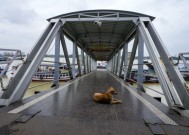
x=107, y=97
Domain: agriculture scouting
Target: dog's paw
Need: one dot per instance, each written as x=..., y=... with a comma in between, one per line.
x=116, y=102
x=120, y=101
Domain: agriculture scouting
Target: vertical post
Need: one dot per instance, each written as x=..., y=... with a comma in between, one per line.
x=125, y=59
x=94, y=67
x=112, y=65
x=133, y=53
x=121, y=63
x=78, y=60
x=92, y=64
x=66, y=53
x=108, y=65
x=115, y=64
x=95, y=64
x=73, y=59
x=87, y=65
x=83, y=62
x=57, y=60
x=140, y=63
x=118, y=62
x=186, y=65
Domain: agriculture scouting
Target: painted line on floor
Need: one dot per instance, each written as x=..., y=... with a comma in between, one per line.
x=28, y=104
x=166, y=119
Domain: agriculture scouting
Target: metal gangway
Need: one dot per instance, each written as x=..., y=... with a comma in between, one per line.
x=69, y=109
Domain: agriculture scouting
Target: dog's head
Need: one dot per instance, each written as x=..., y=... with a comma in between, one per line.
x=112, y=91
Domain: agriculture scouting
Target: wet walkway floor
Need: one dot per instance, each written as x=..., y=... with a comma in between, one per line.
x=71, y=110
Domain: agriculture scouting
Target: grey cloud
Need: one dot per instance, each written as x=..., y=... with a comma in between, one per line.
x=16, y=12
x=171, y=20
x=19, y=16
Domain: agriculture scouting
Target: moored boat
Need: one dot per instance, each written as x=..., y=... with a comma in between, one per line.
x=45, y=72
x=3, y=58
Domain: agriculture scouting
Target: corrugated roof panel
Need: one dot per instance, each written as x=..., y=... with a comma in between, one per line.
x=99, y=40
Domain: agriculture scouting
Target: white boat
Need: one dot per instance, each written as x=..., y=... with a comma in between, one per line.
x=3, y=58
x=2, y=67
x=45, y=72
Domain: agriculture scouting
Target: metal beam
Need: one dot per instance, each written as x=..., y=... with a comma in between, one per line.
x=119, y=19
x=140, y=63
x=125, y=60
x=73, y=59
x=173, y=72
x=100, y=43
x=87, y=63
x=170, y=95
x=121, y=63
x=83, y=62
x=112, y=64
x=57, y=59
x=94, y=34
x=65, y=53
x=72, y=38
x=8, y=63
x=118, y=62
x=128, y=38
x=22, y=70
x=24, y=80
x=115, y=62
x=78, y=60
x=184, y=60
x=132, y=57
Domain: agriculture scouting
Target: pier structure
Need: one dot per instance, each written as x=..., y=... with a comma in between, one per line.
x=181, y=56
x=101, y=35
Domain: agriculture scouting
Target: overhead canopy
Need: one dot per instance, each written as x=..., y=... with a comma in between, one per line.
x=100, y=32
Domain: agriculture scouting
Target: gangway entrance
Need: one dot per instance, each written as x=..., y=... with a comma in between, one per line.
x=101, y=35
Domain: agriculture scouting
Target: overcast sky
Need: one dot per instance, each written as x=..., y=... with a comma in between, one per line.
x=22, y=21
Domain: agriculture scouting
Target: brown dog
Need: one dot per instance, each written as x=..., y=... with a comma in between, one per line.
x=106, y=97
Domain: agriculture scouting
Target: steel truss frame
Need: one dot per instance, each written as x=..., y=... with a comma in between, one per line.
x=170, y=79
x=173, y=85
x=20, y=82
